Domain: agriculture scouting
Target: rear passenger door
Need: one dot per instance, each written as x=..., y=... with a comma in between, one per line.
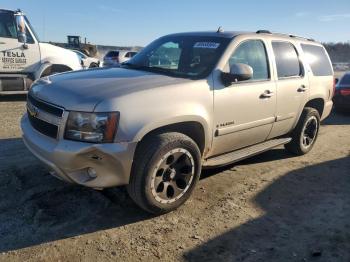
x=292, y=86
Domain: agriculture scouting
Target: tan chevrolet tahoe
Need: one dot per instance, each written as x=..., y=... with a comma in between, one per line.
x=186, y=101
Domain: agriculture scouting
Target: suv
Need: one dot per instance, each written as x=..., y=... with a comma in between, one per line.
x=115, y=58
x=186, y=101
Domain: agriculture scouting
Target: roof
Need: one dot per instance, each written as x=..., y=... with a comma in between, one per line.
x=225, y=34
x=232, y=34
x=11, y=11
x=6, y=10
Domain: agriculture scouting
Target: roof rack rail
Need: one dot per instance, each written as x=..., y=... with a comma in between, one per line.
x=263, y=32
x=301, y=37
x=281, y=34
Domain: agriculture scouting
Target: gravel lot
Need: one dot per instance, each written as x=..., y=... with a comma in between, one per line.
x=273, y=207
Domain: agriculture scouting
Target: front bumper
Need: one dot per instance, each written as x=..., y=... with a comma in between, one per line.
x=73, y=161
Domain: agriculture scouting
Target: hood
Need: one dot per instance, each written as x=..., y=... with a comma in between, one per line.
x=83, y=90
x=49, y=48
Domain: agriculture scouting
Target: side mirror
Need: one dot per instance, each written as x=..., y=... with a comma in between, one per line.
x=238, y=72
x=336, y=80
x=21, y=29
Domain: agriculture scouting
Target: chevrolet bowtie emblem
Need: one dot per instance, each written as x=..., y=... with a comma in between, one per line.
x=32, y=110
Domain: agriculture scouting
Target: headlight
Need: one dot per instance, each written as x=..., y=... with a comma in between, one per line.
x=92, y=127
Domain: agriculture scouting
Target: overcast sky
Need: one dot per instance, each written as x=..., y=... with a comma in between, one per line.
x=137, y=22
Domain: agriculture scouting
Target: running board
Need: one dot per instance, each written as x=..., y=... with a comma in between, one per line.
x=246, y=152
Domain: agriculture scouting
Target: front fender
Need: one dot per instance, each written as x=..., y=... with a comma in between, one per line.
x=175, y=120
x=170, y=121
x=42, y=68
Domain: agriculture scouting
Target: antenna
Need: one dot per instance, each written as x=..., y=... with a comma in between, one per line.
x=220, y=30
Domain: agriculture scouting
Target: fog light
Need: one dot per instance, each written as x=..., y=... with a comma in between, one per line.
x=91, y=172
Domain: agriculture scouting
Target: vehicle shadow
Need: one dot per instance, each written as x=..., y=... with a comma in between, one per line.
x=336, y=118
x=306, y=218
x=8, y=98
x=36, y=208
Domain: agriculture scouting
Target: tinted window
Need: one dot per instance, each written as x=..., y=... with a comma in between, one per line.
x=345, y=80
x=287, y=60
x=252, y=53
x=112, y=54
x=317, y=58
x=7, y=25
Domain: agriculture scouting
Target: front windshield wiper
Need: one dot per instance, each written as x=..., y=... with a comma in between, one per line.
x=155, y=69
x=146, y=68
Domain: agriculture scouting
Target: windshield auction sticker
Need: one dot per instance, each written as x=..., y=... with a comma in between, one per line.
x=210, y=45
x=13, y=60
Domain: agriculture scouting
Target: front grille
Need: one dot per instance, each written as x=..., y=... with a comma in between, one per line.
x=44, y=117
x=43, y=127
x=46, y=107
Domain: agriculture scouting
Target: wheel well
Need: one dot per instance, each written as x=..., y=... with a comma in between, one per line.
x=56, y=68
x=316, y=103
x=194, y=130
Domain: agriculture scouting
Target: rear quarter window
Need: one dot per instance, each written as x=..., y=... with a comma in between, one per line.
x=317, y=58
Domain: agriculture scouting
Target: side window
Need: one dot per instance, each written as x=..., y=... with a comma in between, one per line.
x=252, y=53
x=166, y=56
x=130, y=54
x=30, y=39
x=7, y=25
x=316, y=57
x=287, y=60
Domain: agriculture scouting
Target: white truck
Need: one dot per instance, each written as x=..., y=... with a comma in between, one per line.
x=24, y=59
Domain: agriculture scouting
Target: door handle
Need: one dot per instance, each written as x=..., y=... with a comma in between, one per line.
x=266, y=94
x=302, y=89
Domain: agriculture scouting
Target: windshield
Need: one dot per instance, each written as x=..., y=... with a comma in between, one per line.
x=180, y=56
x=80, y=55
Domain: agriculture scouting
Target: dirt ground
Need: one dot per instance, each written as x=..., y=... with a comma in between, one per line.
x=273, y=207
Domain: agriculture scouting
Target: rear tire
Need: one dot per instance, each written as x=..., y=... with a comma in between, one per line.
x=165, y=171
x=305, y=133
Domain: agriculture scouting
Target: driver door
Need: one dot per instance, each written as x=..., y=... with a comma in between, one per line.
x=244, y=112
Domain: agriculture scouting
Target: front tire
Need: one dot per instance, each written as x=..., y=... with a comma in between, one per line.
x=305, y=133
x=165, y=171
